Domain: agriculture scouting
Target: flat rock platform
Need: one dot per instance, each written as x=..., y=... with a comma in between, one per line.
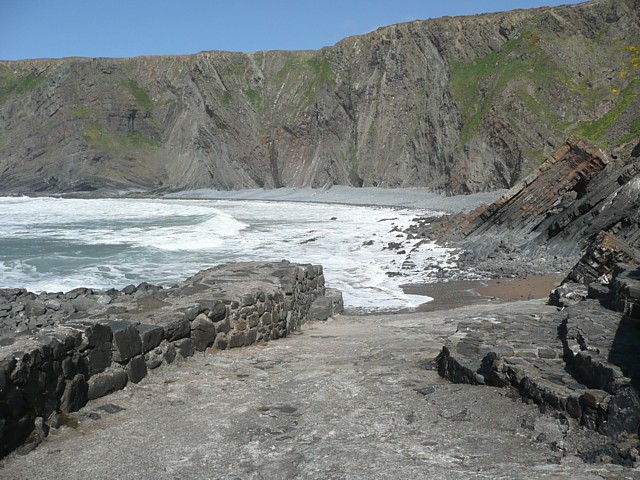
x=352, y=397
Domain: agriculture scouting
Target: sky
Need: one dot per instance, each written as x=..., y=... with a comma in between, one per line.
x=128, y=28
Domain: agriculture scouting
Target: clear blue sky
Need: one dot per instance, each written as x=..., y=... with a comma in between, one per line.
x=126, y=28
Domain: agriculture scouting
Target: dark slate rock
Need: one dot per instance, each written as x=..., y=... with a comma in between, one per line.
x=137, y=369
x=129, y=289
x=107, y=382
x=215, y=309
x=151, y=336
x=126, y=340
x=545, y=352
x=250, y=337
x=110, y=408
x=203, y=332
x=184, y=346
x=177, y=328
x=99, y=358
x=93, y=334
x=75, y=394
x=236, y=340
x=221, y=341
x=13, y=400
x=169, y=354
x=623, y=415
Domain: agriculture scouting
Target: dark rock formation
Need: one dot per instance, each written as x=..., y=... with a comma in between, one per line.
x=455, y=104
x=67, y=360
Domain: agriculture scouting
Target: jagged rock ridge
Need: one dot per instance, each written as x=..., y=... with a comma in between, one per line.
x=455, y=104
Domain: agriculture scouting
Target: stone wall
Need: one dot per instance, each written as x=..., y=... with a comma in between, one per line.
x=58, y=362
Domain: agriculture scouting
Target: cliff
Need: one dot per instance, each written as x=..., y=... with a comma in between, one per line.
x=454, y=104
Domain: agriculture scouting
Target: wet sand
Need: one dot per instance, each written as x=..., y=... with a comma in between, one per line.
x=460, y=293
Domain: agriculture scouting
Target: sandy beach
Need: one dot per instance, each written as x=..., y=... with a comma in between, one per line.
x=459, y=293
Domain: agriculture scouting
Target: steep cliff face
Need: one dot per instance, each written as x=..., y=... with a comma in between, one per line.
x=454, y=104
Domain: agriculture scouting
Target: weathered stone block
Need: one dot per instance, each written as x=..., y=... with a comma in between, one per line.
x=266, y=318
x=203, y=332
x=236, y=339
x=253, y=320
x=76, y=394
x=136, y=369
x=250, y=337
x=177, y=328
x=150, y=336
x=223, y=325
x=221, y=342
x=191, y=312
x=107, y=382
x=126, y=340
x=321, y=308
x=248, y=300
x=165, y=352
x=184, y=347
x=215, y=309
x=99, y=358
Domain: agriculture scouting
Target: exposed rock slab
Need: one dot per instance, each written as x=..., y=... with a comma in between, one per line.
x=57, y=364
x=346, y=398
x=572, y=361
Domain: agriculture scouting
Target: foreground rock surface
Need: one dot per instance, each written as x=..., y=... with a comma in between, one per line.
x=353, y=397
x=94, y=343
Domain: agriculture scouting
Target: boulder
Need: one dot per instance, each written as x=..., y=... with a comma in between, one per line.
x=126, y=340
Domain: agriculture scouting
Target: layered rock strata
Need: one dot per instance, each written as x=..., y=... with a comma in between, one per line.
x=457, y=105
x=579, y=363
x=59, y=362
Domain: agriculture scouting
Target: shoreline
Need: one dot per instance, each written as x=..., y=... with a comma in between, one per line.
x=461, y=293
x=406, y=198
x=444, y=294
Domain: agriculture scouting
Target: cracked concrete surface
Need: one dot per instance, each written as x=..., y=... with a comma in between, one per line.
x=354, y=397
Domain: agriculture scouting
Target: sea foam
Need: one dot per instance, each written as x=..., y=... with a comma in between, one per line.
x=57, y=244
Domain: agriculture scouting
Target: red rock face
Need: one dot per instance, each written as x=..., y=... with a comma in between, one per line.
x=561, y=180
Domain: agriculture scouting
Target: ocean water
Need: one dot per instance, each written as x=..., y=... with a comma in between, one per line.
x=53, y=244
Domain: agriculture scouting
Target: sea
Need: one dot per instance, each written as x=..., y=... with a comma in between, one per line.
x=57, y=244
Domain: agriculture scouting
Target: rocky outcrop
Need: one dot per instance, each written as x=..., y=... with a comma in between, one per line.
x=454, y=104
x=55, y=364
x=580, y=202
x=524, y=213
x=578, y=363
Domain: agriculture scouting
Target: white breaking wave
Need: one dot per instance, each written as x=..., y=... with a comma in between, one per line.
x=57, y=244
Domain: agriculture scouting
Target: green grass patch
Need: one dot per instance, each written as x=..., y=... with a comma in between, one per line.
x=255, y=97
x=142, y=97
x=84, y=112
x=11, y=84
x=634, y=131
x=322, y=75
x=595, y=130
x=311, y=73
x=477, y=85
x=226, y=98
x=116, y=144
